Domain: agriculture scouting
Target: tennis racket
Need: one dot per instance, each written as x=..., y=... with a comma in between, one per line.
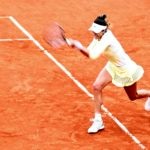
x=54, y=35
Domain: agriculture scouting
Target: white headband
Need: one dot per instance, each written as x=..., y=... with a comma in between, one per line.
x=97, y=28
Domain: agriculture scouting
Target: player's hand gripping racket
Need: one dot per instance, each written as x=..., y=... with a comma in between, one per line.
x=54, y=35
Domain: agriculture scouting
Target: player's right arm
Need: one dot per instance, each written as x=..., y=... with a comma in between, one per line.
x=93, y=51
x=78, y=45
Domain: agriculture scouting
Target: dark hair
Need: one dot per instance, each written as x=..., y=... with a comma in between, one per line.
x=101, y=20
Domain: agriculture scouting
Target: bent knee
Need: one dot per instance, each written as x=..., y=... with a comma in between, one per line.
x=97, y=87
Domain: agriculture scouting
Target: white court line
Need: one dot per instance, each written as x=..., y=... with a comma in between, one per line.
x=76, y=82
x=11, y=40
x=16, y=23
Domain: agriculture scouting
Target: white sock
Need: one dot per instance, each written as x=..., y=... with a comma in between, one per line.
x=98, y=116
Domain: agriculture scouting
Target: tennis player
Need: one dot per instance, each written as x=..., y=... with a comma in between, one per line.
x=120, y=69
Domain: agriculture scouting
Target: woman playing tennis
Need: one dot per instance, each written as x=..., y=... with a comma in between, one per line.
x=120, y=69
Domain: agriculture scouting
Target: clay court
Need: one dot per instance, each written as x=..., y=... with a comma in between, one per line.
x=45, y=96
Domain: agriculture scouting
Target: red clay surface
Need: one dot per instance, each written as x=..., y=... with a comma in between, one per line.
x=40, y=107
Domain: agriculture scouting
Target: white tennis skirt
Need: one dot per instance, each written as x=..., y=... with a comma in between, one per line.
x=124, y=75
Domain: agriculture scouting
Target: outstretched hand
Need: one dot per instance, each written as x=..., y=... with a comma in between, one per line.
x=78, y=45
x=75, y=44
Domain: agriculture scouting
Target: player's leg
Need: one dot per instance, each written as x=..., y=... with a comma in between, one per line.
x=102, y=80
x=131, y=91
x=134, y=94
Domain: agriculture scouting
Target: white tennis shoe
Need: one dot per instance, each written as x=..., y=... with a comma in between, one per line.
x=147, y=104
x=96, y=125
